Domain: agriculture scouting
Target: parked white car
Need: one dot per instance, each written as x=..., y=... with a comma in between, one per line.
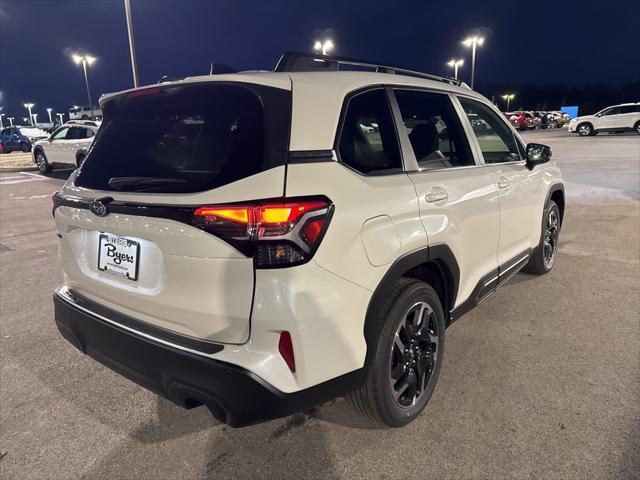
x=267, y=241
x=66, y=147
x=85, y=112
x=618, y=118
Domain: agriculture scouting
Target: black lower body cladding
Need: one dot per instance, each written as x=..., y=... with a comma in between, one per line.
x=232, y=394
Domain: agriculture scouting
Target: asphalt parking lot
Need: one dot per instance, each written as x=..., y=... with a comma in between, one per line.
x=542, y=380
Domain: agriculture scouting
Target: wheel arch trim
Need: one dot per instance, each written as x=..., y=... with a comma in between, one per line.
x=441, y=255
x=557, y=187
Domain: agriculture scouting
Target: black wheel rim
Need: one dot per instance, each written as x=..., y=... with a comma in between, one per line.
x=551, y=232
x=414, y=354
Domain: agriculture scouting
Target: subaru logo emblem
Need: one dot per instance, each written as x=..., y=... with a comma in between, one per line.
x=98, y=208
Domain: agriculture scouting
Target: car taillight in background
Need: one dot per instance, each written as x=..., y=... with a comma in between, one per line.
x=276, y=234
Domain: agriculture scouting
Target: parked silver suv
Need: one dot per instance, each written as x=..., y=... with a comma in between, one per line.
x=66, y=147
x=616, y=119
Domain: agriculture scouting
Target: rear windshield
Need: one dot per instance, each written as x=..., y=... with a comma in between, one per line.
x=187, y=138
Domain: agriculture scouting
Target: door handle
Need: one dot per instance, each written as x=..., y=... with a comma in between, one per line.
x=503, y=183
x=437, y=194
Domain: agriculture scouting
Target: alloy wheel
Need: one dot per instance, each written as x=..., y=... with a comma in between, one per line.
x=414, y=354
x=550, y=243
x=41, y=162
x=584, y=130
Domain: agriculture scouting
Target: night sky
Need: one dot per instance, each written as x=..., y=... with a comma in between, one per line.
x=537, y=42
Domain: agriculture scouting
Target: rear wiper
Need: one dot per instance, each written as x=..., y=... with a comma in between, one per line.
x=142, y=184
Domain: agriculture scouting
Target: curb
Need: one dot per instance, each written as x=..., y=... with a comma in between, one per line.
x=18, y=169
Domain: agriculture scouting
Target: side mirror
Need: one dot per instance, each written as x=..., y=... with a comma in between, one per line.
x=537, y=154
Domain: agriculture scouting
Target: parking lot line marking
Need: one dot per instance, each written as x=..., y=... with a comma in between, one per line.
x=22, y=180
x=11, y=178
x=33, y=174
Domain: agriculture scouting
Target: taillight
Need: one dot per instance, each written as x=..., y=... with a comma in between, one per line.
x=275, y=234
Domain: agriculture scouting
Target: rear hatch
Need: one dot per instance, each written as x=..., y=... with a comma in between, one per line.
x=128, y=240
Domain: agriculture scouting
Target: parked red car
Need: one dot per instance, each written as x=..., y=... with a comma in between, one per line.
x=523, y=120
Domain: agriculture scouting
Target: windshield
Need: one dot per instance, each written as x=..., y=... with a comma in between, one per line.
x=187, y=138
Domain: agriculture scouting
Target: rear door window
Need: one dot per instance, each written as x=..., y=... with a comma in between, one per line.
x=368, y=141
x=188, y=138
x=76, y=133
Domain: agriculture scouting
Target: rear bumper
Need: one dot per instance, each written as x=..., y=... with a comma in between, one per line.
x=233, y=394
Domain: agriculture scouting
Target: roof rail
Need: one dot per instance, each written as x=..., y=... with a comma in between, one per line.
x=314, y=62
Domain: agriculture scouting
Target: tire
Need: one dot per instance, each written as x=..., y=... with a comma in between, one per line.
x=42, y=163
x=24, y=148
x=399, y=382
x=585, y=129
x=636, y=128
x=543, y=259
x=522, y=128
x=84, y=117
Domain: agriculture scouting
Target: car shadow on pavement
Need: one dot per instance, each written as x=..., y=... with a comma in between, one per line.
x=173, y=422
x=294, y=447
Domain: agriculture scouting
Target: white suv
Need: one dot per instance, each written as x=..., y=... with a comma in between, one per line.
x=66, y=147
x=271, y=240
x=619, y=118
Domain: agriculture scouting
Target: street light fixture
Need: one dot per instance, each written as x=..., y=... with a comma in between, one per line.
x=49, y=110
x=61, y=116
x=29, y=106
x=473, y=42
x=85, y=60
x=24, y=119
x=455, y=64
x=10, y=120
x=508, y=97
x=325, y=46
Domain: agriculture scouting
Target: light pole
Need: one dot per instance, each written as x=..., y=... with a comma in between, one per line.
x=49, y=110
x=132, y=47
x=324, y=46
x=61, y=116
x=29, y=106
x=455, y=64
x=473, y=42
x=85, y=60
x=10, y=121
x=1, y=124
x=35, y=120
x=508, y=97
